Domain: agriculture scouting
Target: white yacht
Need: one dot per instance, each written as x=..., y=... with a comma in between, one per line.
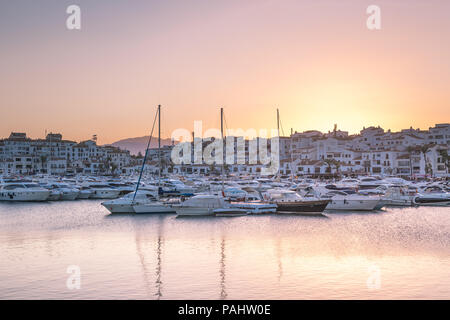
x=341, y=201
x=433, y=196
x=234, y=193
x=201, y=205
x=23, y=191
x=102, y=190
x=66, y=192
x=291, y=202
x=85, y=193
x=126, y=203
x=55, y=194
x=398, y=196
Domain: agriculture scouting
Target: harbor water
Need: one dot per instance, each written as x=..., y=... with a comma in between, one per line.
x=396, y=253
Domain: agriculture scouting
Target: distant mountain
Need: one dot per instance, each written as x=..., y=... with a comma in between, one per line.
x=136, y=145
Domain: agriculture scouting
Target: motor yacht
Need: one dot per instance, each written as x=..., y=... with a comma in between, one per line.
x=288, y=201
x=398, y=197
x=102, y=190
x=433, y=196
x=341, y=201
x=66, y=192
x=85, y=193
x=23, y=191
x=201, y=205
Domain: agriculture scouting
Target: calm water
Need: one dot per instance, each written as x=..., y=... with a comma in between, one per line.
x=397, y=253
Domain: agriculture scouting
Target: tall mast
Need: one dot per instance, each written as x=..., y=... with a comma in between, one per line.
x=221, y=132
x=145, y=159
x=159, y=147
x=278, y=122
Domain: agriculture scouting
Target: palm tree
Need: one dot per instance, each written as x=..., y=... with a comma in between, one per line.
x=337, y=164
x=424, y=149
x=329, y=163
x=445, y=158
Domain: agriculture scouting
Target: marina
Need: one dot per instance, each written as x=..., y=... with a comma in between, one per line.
x=264, y=256
x=228, y=155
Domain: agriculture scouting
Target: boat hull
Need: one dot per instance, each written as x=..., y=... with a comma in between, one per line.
x=230, y=212
x=433, y=202
x=24, y=196
x=119, y=208
x=194, y=211
x=156, y=208
x=353, y=205
x=302, y=207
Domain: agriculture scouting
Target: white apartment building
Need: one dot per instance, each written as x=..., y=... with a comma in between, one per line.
x=53, y=155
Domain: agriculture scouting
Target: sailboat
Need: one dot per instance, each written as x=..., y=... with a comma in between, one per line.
x=140, y=201
x=210, y=205
x=153, y=206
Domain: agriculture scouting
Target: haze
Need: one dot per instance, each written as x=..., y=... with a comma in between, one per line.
x=314, y=60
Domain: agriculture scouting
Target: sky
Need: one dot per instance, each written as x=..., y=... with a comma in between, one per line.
x=314, y=60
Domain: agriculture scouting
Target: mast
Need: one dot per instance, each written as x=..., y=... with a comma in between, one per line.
x=278, y=122
x=159, y=148
x=145, y=159
x=221, y=132
x=278, y=128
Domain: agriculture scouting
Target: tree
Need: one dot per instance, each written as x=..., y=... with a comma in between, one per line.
x=337, y=164
x=445, y=158
x=43, y=163
x=424, y=149
x=329, y=163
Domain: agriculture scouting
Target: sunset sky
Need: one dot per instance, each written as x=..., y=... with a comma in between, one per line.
x=314, y=60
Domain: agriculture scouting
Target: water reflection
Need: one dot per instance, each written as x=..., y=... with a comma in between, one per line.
x=140, y=240
x=251, y=257
x=223, y=293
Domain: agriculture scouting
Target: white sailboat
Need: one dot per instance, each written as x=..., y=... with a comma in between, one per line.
x=153, y=206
